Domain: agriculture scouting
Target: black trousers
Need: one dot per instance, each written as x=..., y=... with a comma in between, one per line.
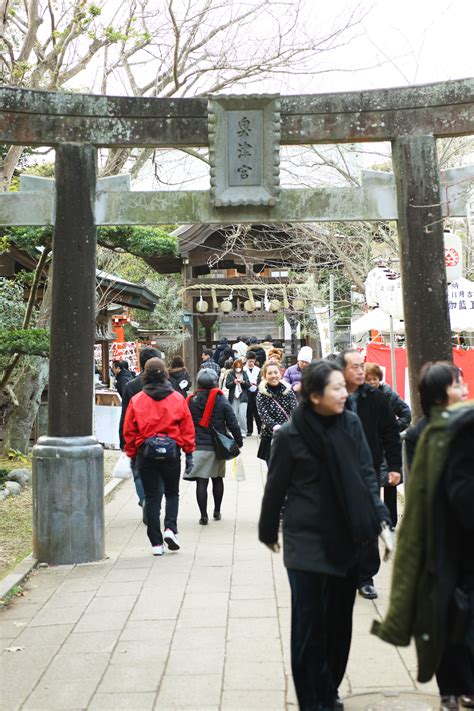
x=155, y=477
x=252, y=413
x=369, y=562
x=390, y=501
x=321, y=632
x=455, y=674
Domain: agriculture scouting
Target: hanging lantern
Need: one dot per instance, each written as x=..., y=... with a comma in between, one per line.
x=249, y=305
x=275, y=305
x=225, y=306
x=201, y=306
x=298, y=304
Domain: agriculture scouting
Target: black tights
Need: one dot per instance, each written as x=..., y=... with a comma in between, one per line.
x=217, y=492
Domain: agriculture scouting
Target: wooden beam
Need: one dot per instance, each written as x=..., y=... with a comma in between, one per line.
x=48, y=118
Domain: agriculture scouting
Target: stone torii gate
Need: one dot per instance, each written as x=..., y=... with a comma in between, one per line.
x=68, y=498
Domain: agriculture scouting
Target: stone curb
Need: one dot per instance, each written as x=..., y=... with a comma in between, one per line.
x=24, y=568
x=17, y=575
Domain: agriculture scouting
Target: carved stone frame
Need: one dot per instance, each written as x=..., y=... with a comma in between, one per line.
x=265, y=189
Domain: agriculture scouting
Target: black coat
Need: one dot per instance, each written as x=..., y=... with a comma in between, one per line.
x=399, y=407
x=122, y=379
x=230, y=385
x=223, y=419
x=295, y=474
x=380, y=428
x=131, y=388
x=176, y=377
x=412, y=437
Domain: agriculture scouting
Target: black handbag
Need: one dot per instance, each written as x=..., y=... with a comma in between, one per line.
x=225, y=447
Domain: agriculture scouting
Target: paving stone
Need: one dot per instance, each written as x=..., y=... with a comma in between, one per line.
x=200, y=691
x=253, y=627
x=252, y=608
x=198, y=638
x=140, y=652
x=121, y=678
x=244, y=674
x=159, y=630
x=111, y=604
x=52, y=615
x=257, y=649
x=191, y=661
x=118, y=589
x=58, y=696
x=253, y=700
x=133, y=701
x=97, y=621
x=84, y=642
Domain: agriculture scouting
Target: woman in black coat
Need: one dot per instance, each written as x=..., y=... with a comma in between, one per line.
x=276, y=402
x=209, y=405
x=320, y=467
x=179, y=376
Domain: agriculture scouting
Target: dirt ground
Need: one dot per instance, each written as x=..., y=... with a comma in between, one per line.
x=16, y=517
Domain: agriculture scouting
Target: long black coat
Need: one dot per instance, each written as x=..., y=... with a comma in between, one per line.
x=380, y=428
x=295, y=473
x=223, y=419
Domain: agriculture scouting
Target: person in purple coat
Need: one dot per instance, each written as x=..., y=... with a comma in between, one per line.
x=294, y=373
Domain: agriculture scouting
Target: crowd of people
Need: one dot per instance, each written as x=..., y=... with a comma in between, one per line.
x=330, y=432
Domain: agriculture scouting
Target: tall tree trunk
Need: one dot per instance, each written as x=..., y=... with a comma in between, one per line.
x=7, y=168
x=28, y=390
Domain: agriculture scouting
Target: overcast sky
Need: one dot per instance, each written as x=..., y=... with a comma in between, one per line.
x=416, y=41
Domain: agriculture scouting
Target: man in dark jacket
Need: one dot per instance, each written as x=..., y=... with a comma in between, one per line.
x=132, y=387
x=122, y=375
x=208, y=362
x=381, y=431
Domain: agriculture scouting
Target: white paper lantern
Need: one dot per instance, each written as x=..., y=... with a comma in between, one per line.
x=202, y=306
x=226, y=307
x=275, y=305
x=249, y=305
x=298, y=304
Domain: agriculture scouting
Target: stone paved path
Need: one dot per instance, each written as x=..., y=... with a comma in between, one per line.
x=206, y=628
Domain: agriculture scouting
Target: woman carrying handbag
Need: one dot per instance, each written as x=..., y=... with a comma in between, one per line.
x=210, y=411
x=275, y=404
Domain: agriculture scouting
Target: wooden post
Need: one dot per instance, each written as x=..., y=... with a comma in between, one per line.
x=68, y=481
x=420, y=231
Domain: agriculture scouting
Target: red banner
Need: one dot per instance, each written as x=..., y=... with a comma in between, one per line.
x=379, y=354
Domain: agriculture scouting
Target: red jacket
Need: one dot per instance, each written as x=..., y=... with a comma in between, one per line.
x=146, y=417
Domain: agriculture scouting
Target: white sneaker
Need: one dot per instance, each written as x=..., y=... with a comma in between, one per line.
x=171, y=540
x=157, y=550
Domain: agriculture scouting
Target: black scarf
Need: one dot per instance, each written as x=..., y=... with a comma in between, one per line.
x=348, y=514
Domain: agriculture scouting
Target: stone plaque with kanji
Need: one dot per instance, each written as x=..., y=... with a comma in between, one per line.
x=244, y=142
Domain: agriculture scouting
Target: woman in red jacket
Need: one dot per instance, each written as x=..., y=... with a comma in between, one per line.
x=159, y=410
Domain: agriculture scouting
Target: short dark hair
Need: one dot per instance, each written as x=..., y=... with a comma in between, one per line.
x=117, y=364
x=155, y=371
x=316, y=376
x=268, y=337
x=177, y=362
x=251, y=355
x=125, y=365
x=207, y=351
x=253, y=339
x=435, y=378
x=147, y=353
x=341, y=358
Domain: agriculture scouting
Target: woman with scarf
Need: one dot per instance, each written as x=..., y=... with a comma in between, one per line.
x=238, y=383
x=179, y=376
x=275, y=404
x=159, y=410
x=209, y=407
x=320, y=467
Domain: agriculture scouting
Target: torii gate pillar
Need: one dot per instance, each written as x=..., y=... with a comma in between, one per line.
x=420, y=231
x=68, y=481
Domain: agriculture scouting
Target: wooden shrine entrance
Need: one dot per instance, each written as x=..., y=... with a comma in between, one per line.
x=76, y=125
